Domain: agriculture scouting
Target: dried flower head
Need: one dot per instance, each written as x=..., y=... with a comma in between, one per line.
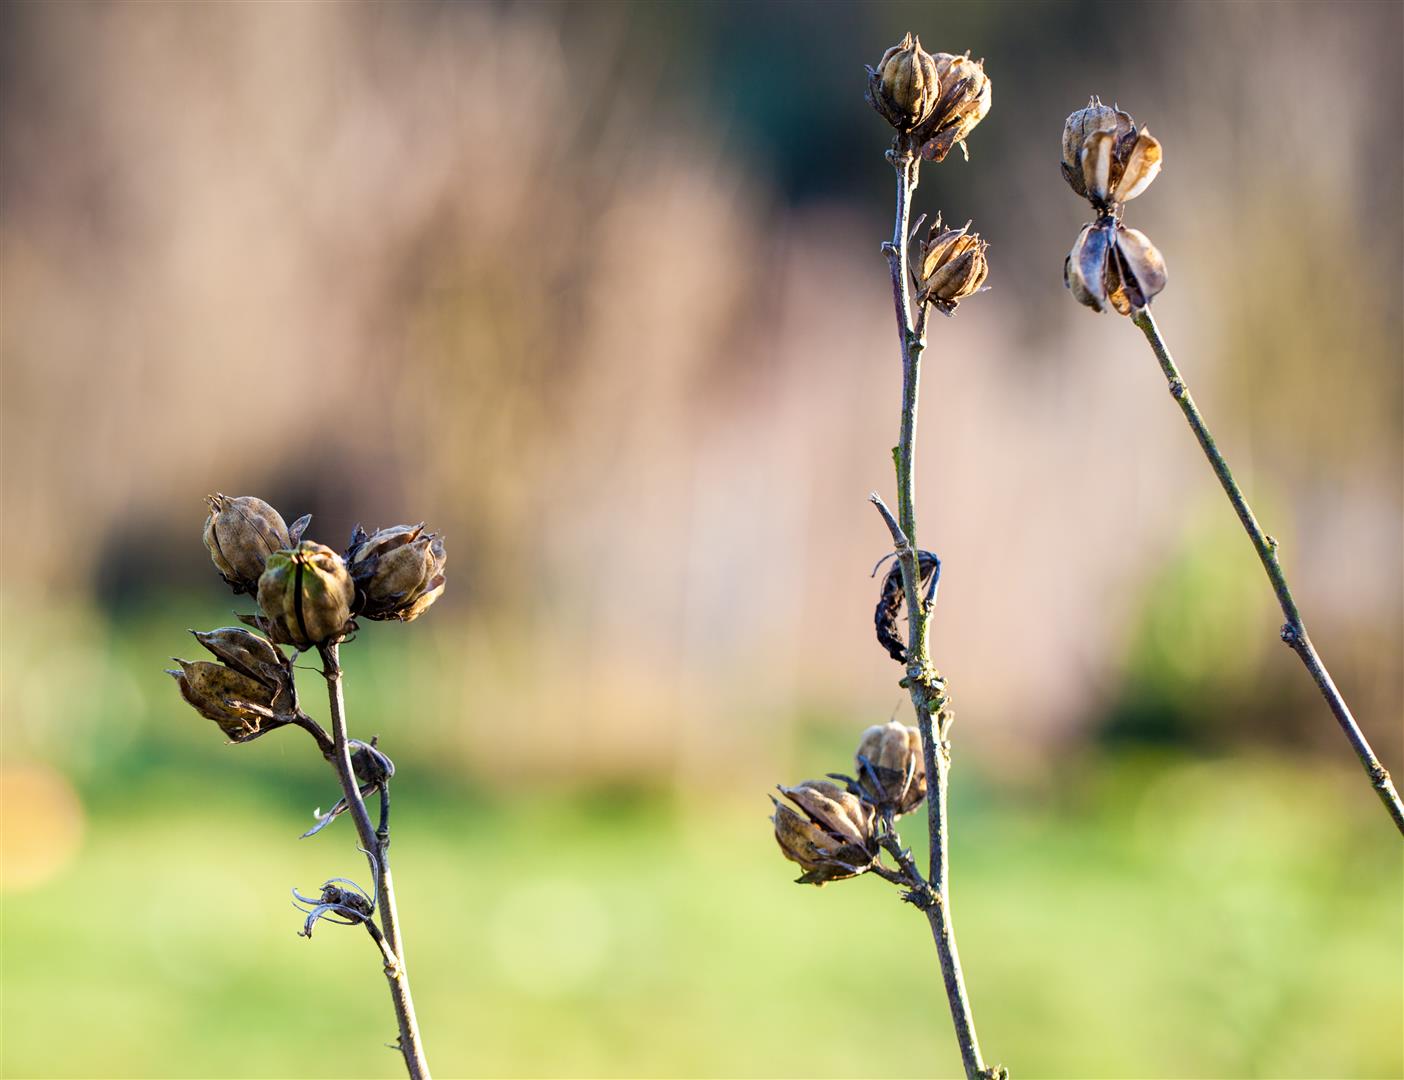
x=305, y=596
x=241, y=532
x=904, y=87
x=950, y=266
x=1112, y=265
x=398, y=572
x=832, y=835
x=891, y=773
x=1106, y=159
x=965, y=99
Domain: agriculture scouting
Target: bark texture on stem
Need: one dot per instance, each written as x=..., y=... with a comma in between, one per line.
x=1294, y=632
x=396, y=973
x=922, y=682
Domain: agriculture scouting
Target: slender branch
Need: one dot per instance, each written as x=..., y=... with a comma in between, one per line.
x=324, y=741
x=396, y=973
x=1294, y=632
x=922, y=682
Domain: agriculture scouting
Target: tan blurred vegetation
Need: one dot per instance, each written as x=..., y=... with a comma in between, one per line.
x=502, y=268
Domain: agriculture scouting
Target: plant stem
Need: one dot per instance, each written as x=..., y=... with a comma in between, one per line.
x=396, y=973
x=1294, y=632
x=925, y=686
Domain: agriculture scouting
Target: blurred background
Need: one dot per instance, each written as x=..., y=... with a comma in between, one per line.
x=595, y=290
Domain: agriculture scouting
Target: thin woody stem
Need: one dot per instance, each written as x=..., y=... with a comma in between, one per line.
x=922, y=682
x=1294, y=632
x=396, y=974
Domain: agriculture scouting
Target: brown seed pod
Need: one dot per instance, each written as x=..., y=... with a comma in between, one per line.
x=305, y=596
x=1106, y=158
x=833, y=834
x=950, y=265
x=1113, y=266
x=904, y=88
x=241, y=531
x=891, y=774
x=398, y=572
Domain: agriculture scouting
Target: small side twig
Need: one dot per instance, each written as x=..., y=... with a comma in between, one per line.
x=1294, y=632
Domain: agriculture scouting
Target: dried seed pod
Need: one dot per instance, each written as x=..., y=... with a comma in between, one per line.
x=1111, y=265
x=892, y=596
x=305, y=595
x=891, y=774
x=241, y=532
x=398, y=572
x=1106, y=159
x=236, y=702
x=904, y=88
x=832, y=835
x=965, y=99
x=256, y=657
x=951, y=265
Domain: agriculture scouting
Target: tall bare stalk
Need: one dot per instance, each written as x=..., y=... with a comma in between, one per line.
x=1294, y=632
x=926, y=687
x=933, y=102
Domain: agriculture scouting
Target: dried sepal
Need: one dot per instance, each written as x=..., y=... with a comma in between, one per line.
x=1137, y=271
x=904, y=88
x=341, y=901
x=832, y=835
x=1085, y=271
x=1141, y=167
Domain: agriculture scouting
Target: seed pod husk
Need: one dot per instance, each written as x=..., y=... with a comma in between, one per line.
x=305, y=595
x=832, y=835
x=241, y=531
x=966, y=95
x=1085, y=270
x=904, y=88
x=256, y=657
x=398, y=572
x=891, y=773
x=221, y=694
x=1111, y=265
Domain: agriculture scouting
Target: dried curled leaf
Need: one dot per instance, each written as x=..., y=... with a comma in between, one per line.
x=892, y=596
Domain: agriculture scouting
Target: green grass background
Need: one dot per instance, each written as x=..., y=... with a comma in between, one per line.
x=1128, y=916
